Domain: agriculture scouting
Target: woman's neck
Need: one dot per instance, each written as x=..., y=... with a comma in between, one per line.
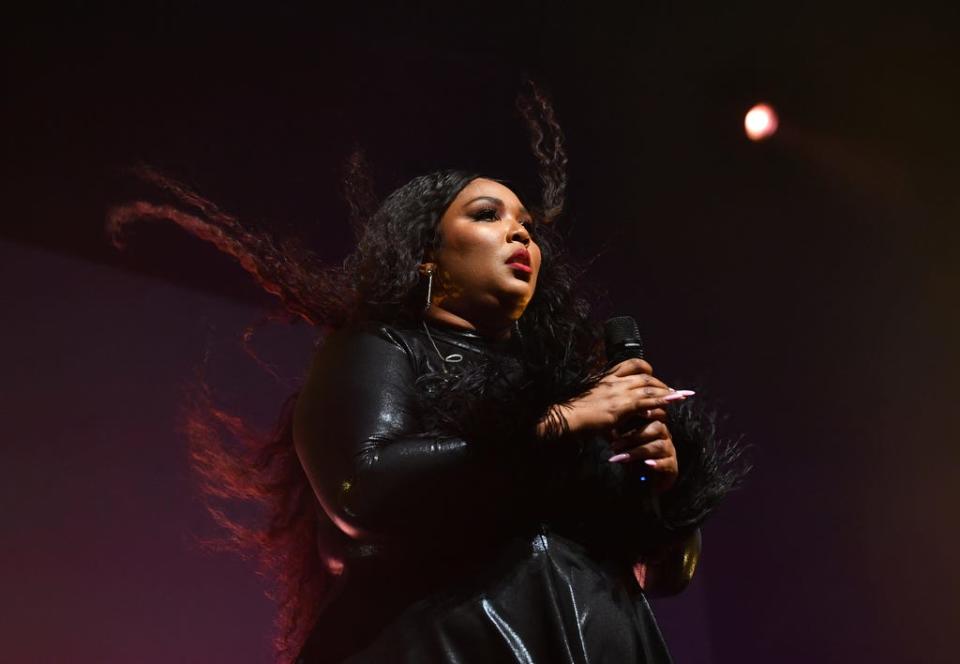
x=499, y=331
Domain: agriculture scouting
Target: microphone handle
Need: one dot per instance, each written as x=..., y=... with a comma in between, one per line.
x=619, y=348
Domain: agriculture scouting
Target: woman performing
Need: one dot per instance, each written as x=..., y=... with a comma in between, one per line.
x=463, y=476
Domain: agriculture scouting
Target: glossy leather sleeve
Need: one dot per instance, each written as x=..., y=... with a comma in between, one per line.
x=355, y=432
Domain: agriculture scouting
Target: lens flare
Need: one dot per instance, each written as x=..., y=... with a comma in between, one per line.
x=760, y=122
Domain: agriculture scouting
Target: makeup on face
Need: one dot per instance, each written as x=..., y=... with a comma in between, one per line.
x=488, y=255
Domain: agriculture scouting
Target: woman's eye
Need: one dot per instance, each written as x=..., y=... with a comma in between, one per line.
x=486, y=214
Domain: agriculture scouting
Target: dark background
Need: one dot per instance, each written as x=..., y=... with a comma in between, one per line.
x=806, y=286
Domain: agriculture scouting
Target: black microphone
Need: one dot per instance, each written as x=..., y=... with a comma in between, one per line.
x=621, y=341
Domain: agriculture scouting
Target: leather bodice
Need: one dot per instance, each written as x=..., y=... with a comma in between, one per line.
x=383, y=483
x=356, y=429
x=417, y=513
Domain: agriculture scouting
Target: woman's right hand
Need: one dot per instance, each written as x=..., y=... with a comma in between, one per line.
x=627, y=390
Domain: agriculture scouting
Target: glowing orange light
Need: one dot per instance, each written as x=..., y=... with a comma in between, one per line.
x=760, y=122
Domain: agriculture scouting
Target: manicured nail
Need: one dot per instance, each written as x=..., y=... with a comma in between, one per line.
x=618, y=458
x=674, y=396
x=686, y=393
x=651, y=462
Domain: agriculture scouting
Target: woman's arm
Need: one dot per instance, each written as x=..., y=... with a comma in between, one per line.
x=355, y=432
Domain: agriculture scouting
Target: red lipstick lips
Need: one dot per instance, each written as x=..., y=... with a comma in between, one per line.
x=520, y=256
x=520, y=260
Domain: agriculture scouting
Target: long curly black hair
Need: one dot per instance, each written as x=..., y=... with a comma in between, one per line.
x=378, y=280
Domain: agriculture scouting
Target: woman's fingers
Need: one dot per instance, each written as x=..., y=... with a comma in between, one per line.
x=650, y=399
x=662, y=396
x=659, y=452
x=649, y=394
x=643, y=386
x=659, y=456
x=632, y=366
x=649, y=432
x=658, y=414
x=628, y=393
x=666, y=470
x=640, y=380
x=652, y=441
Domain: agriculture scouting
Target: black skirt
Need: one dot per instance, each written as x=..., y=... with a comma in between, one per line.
x=539, y=599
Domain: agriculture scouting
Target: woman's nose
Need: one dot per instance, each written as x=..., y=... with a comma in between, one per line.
x=520, y=234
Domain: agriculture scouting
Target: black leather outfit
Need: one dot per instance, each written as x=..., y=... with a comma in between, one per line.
x=516, y=553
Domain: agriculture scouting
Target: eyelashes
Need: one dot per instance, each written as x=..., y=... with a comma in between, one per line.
x=486, y=214
x=491, y=214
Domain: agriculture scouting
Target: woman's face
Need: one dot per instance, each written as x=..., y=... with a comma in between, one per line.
x=488, y=261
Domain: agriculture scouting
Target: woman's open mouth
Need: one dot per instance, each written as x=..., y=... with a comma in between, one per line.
x=520, y=260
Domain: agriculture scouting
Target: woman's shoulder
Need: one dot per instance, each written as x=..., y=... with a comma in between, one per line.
x=375, y=333
x=372, y=341
x=425, y=348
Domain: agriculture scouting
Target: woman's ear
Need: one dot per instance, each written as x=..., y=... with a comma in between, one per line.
x=429, y=263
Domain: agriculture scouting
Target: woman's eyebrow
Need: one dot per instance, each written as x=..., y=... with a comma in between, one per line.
x=498, y=203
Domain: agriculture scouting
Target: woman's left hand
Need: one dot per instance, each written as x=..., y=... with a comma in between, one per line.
x=652, y=445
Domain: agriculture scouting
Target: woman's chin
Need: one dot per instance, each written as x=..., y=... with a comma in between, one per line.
x=515, y=298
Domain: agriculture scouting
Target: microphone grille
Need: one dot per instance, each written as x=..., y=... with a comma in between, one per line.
x=621, y=339
x=620, y=330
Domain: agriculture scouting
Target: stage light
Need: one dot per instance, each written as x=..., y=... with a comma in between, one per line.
x=760, y=122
